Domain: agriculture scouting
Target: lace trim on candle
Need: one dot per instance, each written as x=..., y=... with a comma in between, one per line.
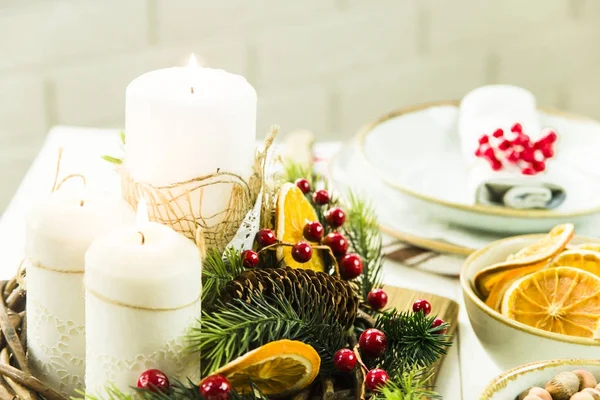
x=172, y=358
x=53, y=362
x=179, y=205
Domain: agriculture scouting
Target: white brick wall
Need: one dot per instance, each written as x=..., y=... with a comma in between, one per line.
x=326, y=65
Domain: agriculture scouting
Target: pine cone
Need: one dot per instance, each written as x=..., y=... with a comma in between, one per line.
x=332, y=293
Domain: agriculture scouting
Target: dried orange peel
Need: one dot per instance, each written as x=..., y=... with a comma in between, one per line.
x=293, y=212
x=493, y=281
x=562, y=300
x=277, y=368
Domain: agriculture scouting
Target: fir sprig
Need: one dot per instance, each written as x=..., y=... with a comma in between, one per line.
x=178, y=391
x=412, y=340
x=362, y=231
x=231, y=330
x=217, y=270
x=410, y=384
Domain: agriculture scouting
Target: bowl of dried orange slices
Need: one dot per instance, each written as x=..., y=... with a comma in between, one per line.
x=535, y=297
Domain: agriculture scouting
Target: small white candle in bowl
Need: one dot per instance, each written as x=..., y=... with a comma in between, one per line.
x=59, y=230
x=143, y=288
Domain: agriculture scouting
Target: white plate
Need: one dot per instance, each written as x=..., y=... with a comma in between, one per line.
x=416, y=151
x=399, y=217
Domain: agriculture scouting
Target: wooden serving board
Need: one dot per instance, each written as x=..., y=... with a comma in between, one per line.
x=444, y=308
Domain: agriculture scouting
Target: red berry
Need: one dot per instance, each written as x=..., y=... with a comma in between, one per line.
x=496, y=164
x=321, y=197
x=498, y=133
x=528, y=171
x=377, y=299
x=517, y=128
x=489, y=153
x=484, y=139
x=504, y=145
x=337, y=242
x=513, y=157
x=437, y=322
x=249, y=259
x=344, y=360
x=351, y=266
x=422, y=305
x=313, y=231
x=303, y=185
x=538, y=166
x=528, y=155
x=376, y=379
x=265, y=237
x=547, y=151
x=154, y=380
x=335, y=217
x=551, y=137
x=302, y=252
x=372, y=342
x=478, y=152
x=215, y=387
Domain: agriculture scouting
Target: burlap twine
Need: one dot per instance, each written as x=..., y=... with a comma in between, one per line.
x=180, y=205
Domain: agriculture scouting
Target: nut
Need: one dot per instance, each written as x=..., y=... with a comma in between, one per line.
x=563, y=386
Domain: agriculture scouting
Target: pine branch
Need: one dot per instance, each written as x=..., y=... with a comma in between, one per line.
x=412, y=340
x=362, y=231
x=178, y=391
x=217, y=270
x=409, y=384
x=231, y=330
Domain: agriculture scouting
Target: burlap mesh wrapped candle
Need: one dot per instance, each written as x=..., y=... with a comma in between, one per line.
x=142, y=294
x=190, y=150
x=59, y=231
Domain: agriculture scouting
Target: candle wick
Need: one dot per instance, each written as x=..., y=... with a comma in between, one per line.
x=192, y=89
x=81, y=203
x=143, y=237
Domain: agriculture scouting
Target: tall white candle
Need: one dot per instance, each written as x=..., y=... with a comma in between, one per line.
x=186, y=122
x=59, y=230
x=142, y=295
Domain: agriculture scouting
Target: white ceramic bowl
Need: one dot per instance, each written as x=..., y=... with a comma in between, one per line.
x=508, y=385
x=416, y=151
x=508, y=342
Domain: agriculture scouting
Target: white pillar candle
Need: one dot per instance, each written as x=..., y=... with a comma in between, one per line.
x=142, y=295
x=188, y=122
x=59, y=230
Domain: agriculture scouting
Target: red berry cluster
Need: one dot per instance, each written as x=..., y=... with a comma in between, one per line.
x=517, y=149
x=372, y=343
x=422, y=305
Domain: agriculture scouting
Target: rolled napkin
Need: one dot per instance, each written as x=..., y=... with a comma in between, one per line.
x=506, y=150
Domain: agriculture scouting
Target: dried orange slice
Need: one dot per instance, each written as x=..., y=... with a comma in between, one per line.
x=293, y=211
x=277, y=368
x=561, y=300
x=492, y=282
x=588, y=246
x=586, y=260
x=552, y=244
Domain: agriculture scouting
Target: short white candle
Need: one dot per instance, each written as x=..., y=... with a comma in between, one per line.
x=142, y=295
x=59, y=230
x=186, y=122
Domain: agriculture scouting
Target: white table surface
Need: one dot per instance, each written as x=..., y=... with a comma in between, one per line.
x=467, y=368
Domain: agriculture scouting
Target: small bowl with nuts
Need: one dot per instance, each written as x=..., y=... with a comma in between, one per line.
x=568, y=379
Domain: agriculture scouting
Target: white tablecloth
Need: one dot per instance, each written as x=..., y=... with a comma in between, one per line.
x=467, y=368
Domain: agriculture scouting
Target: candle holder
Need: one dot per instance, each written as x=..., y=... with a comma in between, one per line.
x=181, y=205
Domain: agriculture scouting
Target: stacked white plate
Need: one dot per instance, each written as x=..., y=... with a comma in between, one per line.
x=409, y=164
